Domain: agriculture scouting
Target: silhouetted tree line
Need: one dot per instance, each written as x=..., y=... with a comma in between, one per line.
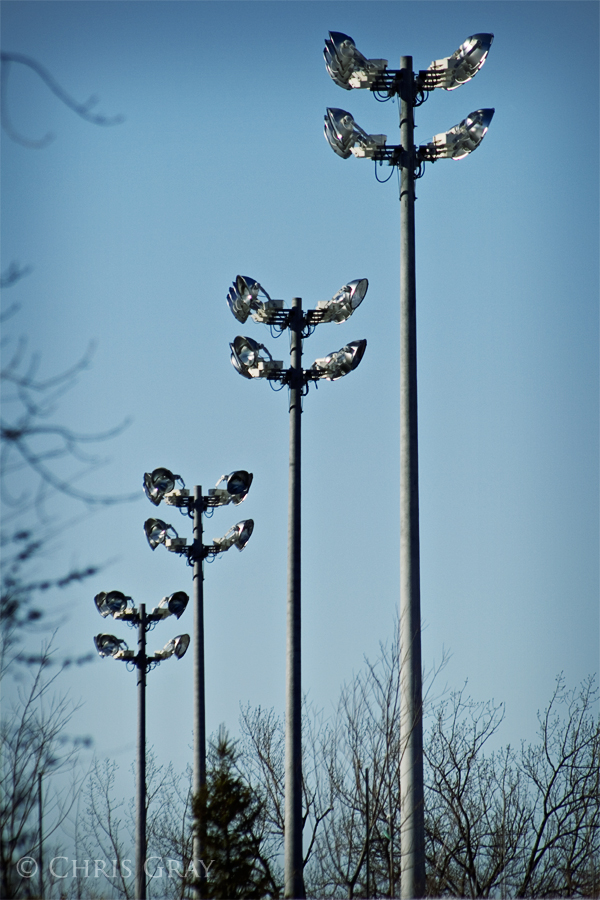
x=500, y=822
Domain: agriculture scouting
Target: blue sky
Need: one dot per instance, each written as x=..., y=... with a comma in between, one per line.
x=135, y=232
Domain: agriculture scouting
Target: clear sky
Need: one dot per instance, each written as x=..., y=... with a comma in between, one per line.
x=136, y=231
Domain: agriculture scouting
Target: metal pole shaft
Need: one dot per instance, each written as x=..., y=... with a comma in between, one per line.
x=391, y=853
x=368, y=832
x=199, y=777
x=41, y=834
x=294, y=881
x=140, y=843
x=412, y=829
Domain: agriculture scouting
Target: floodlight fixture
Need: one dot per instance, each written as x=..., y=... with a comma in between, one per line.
x=247, y=297
x=238, y=535
x=159, y=532
x=347, y=65
x=453, y=71
x=346, y=138
x=174, y=605
x=110, y=603
x=109, y=645
x=159, y=482
x=253, y=360
x=177, y=647
x=338, y=364
x=237, y=485
x=460, y=140
x=344, y=302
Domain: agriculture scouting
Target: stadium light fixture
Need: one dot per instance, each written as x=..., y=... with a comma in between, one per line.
x=110, y=603
x=347, y=65
x=159, y=532
x=237, y=485
x=247, y=297
x=460, y=140
x=249, y=361
x=453, y=71
x=159, y=482
x=344, y=302
x=341, y=362
x=176, y=647
x=173, y=605
x=238, y=536
x=109, y=645
x=347, y=138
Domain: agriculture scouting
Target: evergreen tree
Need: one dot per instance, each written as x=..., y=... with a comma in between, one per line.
x=234, y=819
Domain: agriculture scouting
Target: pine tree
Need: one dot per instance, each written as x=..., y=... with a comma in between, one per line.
x=233, y=818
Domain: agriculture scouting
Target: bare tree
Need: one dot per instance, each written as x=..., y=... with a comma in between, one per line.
x=364, y=738
x=476, y=817
x=33, y=746
x=520, y=823
x=262, y=765
x=105, y=830
x=507, y=822
x=562, y=770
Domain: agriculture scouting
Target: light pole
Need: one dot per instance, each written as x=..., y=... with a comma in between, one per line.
x=350, y=69
x=160, y=485
x=253, y=360
x=116, y=604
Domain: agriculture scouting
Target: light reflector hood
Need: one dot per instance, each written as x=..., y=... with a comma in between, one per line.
x=158, y=531
x=159, y=482
x=110, y=602
x=337, y=364
x=238, y=535
x=345, y=137
x=344, y=302
x=453, y=71
x=459, y=141
x=346, y=64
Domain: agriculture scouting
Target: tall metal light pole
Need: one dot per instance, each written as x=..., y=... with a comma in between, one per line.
x=119, y=606
x=412, y=829
x=199, y=763
x=350, y=69
x=160, y=485
x=294, y=881
x=140, y=792
x=253, y=360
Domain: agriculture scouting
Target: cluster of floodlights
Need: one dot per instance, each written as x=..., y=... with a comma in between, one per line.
x=160, y=484
x=251, y=359
x=119, y=606
x=350, y=69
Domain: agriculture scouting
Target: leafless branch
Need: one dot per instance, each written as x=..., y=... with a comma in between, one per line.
x=81, y=109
